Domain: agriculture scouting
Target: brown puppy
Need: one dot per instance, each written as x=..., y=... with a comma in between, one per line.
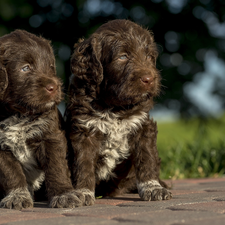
x=32, y=143
x=112, y=138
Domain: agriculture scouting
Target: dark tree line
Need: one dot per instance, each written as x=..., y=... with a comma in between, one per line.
x=185, y=30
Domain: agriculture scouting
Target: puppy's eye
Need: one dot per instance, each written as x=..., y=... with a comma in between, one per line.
x=25, y=69
x=123, y=57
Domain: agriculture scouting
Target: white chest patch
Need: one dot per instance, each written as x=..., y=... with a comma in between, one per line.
x=115, y=147
x=14, y=132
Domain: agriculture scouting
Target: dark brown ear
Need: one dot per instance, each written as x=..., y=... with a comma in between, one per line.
x=3, y=72
x=3, y=80
x=86, y=65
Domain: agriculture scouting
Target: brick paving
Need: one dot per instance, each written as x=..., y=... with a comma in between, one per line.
x=195, y=201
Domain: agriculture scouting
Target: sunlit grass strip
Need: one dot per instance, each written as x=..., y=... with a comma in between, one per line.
x=192, y=149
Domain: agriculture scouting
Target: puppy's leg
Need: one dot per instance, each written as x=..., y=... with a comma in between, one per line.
x=123, y=182
x=13, y=182
x=84, y=149
x=147, y=165
x=60, y=191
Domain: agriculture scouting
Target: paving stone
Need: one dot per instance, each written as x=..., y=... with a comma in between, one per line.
x=206, y=196
x=8, y=211
x=217, y=207
x=176, y=200
x=219, y=199
x=46, y=209
x=106, y=213
x=25, y=216
x=65, y=221
x=195, y=201
x=216, y=190
x=167, y=217
x=152, y=205
x=185, y=192
x=118, y=200
x=207, y=221
x=216, y=185
x=42, y=207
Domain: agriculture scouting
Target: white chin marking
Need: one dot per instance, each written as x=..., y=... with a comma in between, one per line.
x=50, y=104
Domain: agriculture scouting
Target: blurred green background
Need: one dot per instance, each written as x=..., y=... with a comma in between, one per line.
x=191, y=40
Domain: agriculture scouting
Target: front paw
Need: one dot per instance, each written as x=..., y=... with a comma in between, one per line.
x=17, y=199
x=153, y=191
x=73, y=199
x=89, y=197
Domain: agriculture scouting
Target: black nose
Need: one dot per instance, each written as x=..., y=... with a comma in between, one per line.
x=147, y=79
x=51, y=88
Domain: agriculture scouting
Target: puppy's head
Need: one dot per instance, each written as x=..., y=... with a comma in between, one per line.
x=28, y=81
x=119, y=62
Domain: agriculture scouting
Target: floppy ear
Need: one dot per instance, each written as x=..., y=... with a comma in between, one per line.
x=3, y=80
x=3, y=75
x=86, y=66
x=4, y=45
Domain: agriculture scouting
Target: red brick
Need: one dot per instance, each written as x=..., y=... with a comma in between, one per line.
x=217, y=207
x=119, y=199
x=185, y=192
x=26, y=216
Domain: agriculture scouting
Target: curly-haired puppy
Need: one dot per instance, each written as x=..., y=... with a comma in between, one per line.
x=32, y=143
x=112, y=138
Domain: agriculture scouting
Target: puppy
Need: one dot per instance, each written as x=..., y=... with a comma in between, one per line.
x=32, y=142
x=112, y=139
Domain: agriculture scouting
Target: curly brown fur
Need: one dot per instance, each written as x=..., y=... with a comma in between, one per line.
x=32, y=143
x=112, y=139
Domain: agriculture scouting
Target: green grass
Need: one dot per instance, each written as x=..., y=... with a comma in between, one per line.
x=194, y=148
